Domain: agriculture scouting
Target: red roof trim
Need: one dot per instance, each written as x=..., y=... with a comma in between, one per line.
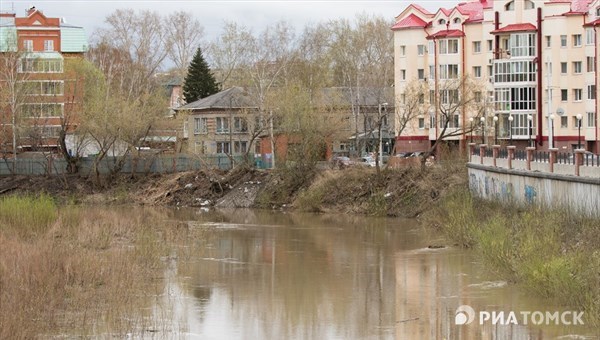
x=411, y=21
x=515, y=28
x=592, y=23
x=446, y=34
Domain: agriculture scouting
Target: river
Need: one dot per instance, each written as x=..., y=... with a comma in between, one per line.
x=272, y=275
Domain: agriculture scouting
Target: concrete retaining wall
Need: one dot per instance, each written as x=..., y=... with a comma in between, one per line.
x=581, y=194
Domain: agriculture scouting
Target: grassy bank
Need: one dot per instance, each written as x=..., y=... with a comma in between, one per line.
x=554, y=253
x=66, y=272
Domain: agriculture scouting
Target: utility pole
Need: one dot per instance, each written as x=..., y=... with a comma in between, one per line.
x=549, y=90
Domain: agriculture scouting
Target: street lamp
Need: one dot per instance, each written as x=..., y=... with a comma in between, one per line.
x=579, y=116
x=380, y=137
x=551, y=117
x=510, y=120
x=471, y=121
x=482, y=120
x=495, y=130
x=529, y=123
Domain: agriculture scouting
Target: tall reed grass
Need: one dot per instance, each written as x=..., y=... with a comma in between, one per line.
x=75, y=271
x=552, y=252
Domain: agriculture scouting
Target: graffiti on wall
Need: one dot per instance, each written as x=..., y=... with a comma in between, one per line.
x=493, y=188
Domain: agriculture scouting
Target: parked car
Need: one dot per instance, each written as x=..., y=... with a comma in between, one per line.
x=367, y=161
x=340, y=162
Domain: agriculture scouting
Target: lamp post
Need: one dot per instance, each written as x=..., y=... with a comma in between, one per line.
x=380, y=136
x=579, y=116
x=510, y=120
x=482, y=120
x=471, y=121
x=551, y=117
x=495, y=130
x=529, y=123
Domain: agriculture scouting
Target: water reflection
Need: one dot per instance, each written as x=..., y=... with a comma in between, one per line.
x=264, y=275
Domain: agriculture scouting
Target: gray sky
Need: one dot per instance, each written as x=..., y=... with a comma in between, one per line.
x=212, y=14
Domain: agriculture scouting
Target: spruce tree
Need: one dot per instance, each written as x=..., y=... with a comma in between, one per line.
x=199, y=81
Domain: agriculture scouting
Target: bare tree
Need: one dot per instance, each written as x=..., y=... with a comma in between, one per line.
x=228, y=54
x=454, y=100
x=184, y=35
x=14, y=89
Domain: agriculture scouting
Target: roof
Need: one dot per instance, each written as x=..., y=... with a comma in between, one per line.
x=411, y=21
x=231, y=98
x=446, y=34
x=577, y=6
x=515, y=28
x=364, y=96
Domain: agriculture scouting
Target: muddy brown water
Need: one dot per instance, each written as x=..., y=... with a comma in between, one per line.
x=272, y=275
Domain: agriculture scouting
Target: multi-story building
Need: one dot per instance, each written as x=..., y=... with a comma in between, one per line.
x=535, y=62
x=37, y=90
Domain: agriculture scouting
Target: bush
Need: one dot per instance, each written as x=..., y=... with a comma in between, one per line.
x=27, y=216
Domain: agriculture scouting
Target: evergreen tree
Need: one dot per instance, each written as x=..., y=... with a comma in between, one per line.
x=199, y=81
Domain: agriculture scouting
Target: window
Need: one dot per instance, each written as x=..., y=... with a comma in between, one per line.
x=521, y=45
x=402, y=74
x=564, y=95
x=42, y=110
x=240, y=147
x=590, y=38
x=490, y=45
x=476, y=46
x=431, y=47
x=443, y=46
x=477, y=71
x=576, y=40
x=402, y=50
x=431, y=97
x=442, y=21
x=591, y=64
x=240, y=124
x=591, y=119
x=421, y=74
x=449, y=71
x=514, y=71
x=577, y=95
x=529, y=4
x=403, y=98
x=564, y=122
x=200, y=148
x=576, y=67
x=515, y=99
x=563, y=41
x=200, y=125
x=548, y=41
x=449, y=96
x=510, y=6
x=453, y=46
x=48, y=45
x=39, y=65
x=591, y=92
x=563, y=68
x=431, y=71
x=50, y=88
x=420, y=49
x=222, y=125
x=490, y=71
x=223, y=147
x=421, y=99
x=598, y=12
x=477, y=96
x=421, y=123
x=28, y=45
x=577, y=122
x=456, y=20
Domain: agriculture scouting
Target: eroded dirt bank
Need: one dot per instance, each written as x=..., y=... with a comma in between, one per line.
x=400, y=192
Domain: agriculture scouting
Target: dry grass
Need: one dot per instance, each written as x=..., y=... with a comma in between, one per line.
x=66, y=271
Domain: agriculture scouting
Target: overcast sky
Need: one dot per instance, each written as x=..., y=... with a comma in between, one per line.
x=212, y=14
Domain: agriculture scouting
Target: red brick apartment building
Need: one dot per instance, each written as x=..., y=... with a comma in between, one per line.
x=36, y=93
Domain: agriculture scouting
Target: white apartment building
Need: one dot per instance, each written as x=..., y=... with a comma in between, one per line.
x=535, y=62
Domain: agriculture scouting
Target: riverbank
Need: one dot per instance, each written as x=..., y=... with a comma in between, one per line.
x=553, y=253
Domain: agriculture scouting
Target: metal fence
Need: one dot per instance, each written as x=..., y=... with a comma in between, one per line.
x=159, y=164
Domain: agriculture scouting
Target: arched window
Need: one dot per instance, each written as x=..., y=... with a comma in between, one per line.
x=442, y=22
x=598, y=12
x=529, y=4
x=510, y=6
x=457, y=20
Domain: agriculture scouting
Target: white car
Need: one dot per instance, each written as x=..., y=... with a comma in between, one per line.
x=367, y=161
